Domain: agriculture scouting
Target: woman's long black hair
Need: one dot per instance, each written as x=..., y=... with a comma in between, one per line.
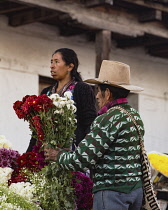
x=69, y=56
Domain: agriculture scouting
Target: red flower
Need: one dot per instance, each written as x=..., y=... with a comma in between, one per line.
x=17, y=106
x=28, y=160
x=24, y=98
x=37, y=103
x=44, y=103
x=38, y=127
x=29, y=103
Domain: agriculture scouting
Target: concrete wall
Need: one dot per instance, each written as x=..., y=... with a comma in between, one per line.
x=25, y=53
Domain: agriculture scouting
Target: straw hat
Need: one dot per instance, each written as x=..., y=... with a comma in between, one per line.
x=115, y=74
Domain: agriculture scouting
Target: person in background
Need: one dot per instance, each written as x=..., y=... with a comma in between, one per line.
x=64, y=69
x=112, y=147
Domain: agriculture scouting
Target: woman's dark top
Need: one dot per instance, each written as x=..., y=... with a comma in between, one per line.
x=84, y=99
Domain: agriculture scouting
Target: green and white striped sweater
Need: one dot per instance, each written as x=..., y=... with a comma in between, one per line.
x=111, y=150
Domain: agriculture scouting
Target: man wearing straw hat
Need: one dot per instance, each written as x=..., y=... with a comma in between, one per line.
x=112, y=148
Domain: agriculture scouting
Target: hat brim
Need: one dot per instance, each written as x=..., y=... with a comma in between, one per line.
x=132, y=88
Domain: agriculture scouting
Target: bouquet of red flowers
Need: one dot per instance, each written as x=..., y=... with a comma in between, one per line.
x=52, y=121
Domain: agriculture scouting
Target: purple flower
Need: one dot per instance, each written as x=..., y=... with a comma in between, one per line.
x=13, y=154
x=4, y=163
x=83, y=190
x=8, y=157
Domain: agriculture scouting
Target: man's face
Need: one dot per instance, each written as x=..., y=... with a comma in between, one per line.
x=101, y=98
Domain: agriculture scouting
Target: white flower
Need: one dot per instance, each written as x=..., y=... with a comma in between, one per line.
x=56, y=103
x=68, y=106
x=24, y=189
x=4, y=143
x=62, y=103
x=71, y=101
x=56, y=112
x=73, y=108
x=63, y=99
x=54, y=96
x=5, y=174
x=68, y=94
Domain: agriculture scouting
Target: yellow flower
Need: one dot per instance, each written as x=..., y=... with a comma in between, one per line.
x=159, y=162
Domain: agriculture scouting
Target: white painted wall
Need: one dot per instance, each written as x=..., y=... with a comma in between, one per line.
x=14, y=85
x=25, y=53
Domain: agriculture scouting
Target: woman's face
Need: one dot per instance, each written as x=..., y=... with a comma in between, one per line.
x=102, y=98
x=59, y=69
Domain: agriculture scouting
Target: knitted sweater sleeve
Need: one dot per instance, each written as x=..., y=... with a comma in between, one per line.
x=91, y=148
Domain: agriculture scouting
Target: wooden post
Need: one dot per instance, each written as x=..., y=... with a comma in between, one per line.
x=103, y=47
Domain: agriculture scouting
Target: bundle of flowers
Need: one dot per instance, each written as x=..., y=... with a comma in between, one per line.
x=159, y=170
x=159, y=162
x=51, y=118
x=28, y=170
x=17, y=195
x=29, y=161
x=52, y=121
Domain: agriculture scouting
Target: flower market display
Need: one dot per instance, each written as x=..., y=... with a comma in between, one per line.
x=52, y=121
x=17, y=196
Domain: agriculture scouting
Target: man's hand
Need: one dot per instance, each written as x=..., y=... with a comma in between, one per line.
x=51, y=154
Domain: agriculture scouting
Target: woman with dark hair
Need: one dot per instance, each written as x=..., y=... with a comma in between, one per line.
x=64, y=66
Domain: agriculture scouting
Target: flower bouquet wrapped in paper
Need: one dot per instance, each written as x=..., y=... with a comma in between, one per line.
x=159, y=172
x=53, y=122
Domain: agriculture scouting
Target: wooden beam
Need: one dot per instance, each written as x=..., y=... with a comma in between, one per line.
x=15, y=9
x=158, y=49
x=148, y=4
x=31, y=16
x=131, y=42
x=162, y=1
x=150, y=15
x=155, y=41
x=103, y=48
x=118, y=21
x=95, y=3
x=165, y=18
